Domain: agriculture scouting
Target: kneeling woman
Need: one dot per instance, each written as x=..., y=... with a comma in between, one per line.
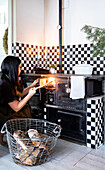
x=10, y=106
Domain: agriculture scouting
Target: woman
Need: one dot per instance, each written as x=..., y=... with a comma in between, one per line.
x=10, y=104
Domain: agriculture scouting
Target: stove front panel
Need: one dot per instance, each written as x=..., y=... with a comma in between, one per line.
x=73, y=123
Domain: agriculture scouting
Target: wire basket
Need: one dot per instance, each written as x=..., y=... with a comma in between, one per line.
x=30, y=151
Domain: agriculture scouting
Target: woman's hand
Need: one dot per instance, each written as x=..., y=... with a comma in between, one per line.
x=35, y=83
x=26, y=90
x=32, y=91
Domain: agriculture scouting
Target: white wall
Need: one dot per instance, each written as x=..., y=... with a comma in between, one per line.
x=3, y=26
x=29, y=22
x=78, y=13
x=51, y=20
x=35, y=22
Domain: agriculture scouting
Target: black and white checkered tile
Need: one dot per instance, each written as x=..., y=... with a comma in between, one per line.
x=78, y=54
x=39, y=56
x=32, y=55
x=28, y=55
x=95, y=122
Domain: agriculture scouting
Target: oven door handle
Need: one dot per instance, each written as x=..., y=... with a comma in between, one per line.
x=72, y=114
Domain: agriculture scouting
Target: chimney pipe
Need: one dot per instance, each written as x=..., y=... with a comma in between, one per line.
x=60, y=36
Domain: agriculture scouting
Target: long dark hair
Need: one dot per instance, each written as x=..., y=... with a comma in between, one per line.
x=9, y=67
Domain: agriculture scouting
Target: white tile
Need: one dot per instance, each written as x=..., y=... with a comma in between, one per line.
x=93, y=124
x=88, y=136
x=93, y=133
x=93, y=115
x=89, y=145
x=89, y=110
x=93, y=142
x=88, y=127
x=88, y=118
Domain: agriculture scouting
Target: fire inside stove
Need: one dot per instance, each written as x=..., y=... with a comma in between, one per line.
x=51, y=81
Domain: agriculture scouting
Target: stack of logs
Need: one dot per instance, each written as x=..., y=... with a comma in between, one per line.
x=31, y=147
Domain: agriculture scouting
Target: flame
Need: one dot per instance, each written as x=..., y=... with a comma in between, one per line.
x=42, y=81
x=51, y=80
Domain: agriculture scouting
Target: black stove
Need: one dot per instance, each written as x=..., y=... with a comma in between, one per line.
x=54, y=104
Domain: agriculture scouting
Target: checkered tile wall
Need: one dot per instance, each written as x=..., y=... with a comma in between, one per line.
x=95, y=122
x=78, y=54
x=32, y=55
x=39, y=56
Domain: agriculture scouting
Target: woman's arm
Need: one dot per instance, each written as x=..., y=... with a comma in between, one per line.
x=16, y=106
x=26, y=90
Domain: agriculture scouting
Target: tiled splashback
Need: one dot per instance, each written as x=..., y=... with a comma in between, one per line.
x=40, y=56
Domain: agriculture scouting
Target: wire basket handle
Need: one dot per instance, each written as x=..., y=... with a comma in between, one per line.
x=57, y=130
x=3, y=129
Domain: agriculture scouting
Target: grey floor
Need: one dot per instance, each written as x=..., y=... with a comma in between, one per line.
x=65, y=156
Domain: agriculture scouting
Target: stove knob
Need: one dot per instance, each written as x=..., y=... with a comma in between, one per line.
x=45, y=110
x=45, y=117
x=59, y=120
x=51, y=99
